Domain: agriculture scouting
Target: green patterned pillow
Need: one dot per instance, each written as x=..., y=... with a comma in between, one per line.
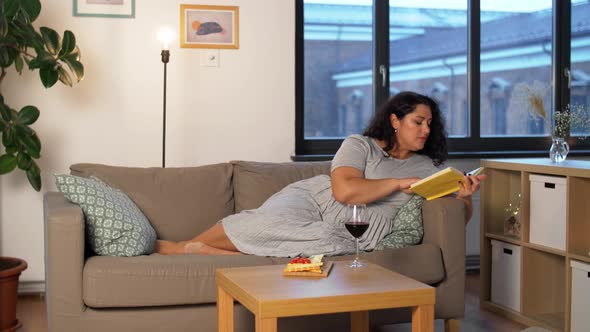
x=407, y=226
x=114, y=224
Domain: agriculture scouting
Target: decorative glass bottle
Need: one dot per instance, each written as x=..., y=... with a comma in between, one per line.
x=559, y=149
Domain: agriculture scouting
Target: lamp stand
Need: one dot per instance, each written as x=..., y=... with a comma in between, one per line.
x=165, y=59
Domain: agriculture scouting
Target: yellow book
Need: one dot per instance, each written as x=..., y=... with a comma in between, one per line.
x=441, y=183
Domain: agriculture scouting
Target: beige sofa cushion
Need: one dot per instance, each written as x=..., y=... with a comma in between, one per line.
x=156, y=280
x=179, y=202
x=255, y=182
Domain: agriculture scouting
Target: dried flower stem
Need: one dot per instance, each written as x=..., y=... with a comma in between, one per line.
x=531, y=98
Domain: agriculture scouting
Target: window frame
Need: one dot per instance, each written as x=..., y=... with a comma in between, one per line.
x=473, y=146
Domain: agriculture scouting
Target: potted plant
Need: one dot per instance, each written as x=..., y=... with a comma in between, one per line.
x=56, y=58
x=10, y=269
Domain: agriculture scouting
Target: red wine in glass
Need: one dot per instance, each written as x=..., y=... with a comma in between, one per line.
x=357, y=229
x=357, y=225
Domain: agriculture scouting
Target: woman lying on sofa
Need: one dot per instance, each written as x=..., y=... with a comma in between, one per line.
x=404, y=142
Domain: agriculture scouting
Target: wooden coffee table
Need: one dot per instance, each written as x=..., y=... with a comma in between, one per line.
x=269, y=295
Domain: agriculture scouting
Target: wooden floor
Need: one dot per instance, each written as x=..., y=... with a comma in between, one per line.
x=476, y=319
x=31, y=312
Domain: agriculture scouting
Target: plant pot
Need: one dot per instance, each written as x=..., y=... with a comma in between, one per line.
x=10, y=269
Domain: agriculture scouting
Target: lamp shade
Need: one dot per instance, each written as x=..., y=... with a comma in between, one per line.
x=166, y=36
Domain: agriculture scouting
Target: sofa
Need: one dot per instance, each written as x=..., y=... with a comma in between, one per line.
x=90, y=293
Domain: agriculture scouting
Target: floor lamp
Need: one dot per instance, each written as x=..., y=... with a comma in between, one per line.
x=165, y=36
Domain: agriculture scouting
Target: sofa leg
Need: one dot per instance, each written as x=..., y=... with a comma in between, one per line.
x=452, y=325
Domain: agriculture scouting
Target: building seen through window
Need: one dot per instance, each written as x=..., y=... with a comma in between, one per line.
x=498, y=94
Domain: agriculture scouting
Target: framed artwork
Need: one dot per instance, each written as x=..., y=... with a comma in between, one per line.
x=105, y=8
x=203, y=26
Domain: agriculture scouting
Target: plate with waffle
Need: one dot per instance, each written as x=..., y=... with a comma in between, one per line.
x=312, y=266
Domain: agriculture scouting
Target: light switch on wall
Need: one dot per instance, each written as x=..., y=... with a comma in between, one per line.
x=210, y=57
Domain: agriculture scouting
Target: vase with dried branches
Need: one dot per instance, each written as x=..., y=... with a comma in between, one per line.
x=531, y=99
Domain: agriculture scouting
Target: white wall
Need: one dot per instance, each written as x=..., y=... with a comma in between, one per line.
x=243, y=109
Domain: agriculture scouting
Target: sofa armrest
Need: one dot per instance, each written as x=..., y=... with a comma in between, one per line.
x=64, y=257
x=444, y=226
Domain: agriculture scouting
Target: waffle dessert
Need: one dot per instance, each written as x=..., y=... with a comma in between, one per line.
x=302, y=264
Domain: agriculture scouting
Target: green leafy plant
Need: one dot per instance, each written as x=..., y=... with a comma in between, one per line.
x=45, y=50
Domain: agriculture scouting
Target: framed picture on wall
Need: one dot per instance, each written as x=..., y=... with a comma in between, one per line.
x=105, y=8
x=203, y=26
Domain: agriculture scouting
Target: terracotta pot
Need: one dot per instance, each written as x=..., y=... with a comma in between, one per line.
x=10, y=269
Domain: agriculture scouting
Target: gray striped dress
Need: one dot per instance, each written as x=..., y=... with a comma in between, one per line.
x=305, y=219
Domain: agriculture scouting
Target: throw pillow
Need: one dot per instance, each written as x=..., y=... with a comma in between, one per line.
x=407, y=226
x=114, y=224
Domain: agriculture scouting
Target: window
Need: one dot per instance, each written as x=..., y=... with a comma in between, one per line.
x=519, y=55
x=580, y=60
x=334, y=36
x=440, y=93
x=468, y=55
x=498, y=93
x=420, y=61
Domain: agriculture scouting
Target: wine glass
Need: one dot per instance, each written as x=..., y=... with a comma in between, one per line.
x=357, y=224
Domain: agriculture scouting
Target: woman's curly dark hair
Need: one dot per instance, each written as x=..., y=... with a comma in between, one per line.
x=402, y=104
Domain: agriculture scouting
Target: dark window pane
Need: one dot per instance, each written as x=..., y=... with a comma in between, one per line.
x=515, y=48
x=580, y=69
x=428, y=54
x=337, y=68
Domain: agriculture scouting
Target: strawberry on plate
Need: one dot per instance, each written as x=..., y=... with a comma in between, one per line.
x=304, y=264
x=300, y=260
